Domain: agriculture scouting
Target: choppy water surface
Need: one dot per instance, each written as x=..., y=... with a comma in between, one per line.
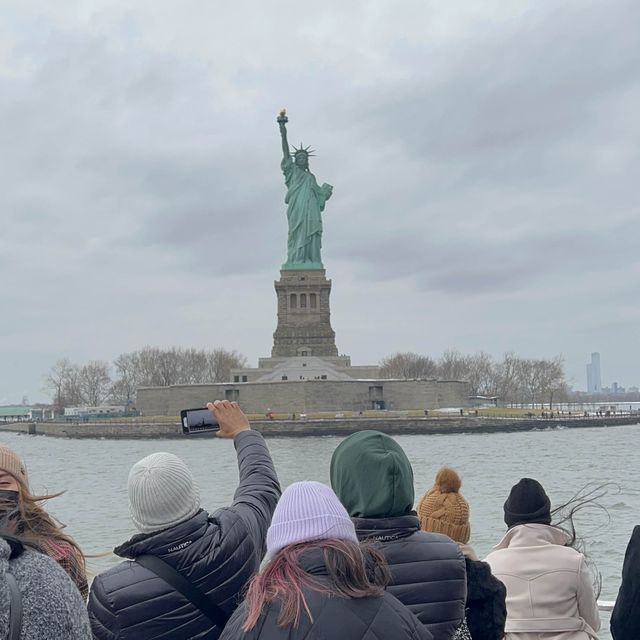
x=94, y=474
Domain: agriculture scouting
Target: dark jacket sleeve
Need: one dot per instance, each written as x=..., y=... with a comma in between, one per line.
x=104, y=625
x=258, y=490
x=486, y=607
x=625, y=619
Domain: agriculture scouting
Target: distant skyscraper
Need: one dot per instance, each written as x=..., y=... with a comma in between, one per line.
x=594, y=381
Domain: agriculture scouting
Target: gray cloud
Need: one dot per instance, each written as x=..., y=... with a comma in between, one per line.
x=483, y=157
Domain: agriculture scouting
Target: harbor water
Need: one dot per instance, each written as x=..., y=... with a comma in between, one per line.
x=94, y=475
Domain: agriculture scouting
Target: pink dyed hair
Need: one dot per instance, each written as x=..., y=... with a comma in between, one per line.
x=355, y=571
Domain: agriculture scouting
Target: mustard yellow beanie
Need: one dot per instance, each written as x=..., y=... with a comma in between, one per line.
x=442, y=509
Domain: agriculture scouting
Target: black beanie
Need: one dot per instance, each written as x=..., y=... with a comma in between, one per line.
x=527, y=503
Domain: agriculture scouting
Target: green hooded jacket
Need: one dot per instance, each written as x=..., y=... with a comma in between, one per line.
x=372, y=476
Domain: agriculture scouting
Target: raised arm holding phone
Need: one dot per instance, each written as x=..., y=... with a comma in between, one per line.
x=212, y=555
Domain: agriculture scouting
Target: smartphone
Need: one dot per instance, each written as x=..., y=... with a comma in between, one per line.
x=198, y=421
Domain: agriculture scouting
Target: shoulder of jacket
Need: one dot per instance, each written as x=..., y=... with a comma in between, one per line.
x=573, y=555
x=445, y=546
x=436, y=538
x=226, y=521
x=116, y=576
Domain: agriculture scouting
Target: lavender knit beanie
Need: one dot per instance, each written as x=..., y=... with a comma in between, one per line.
x=308, y=511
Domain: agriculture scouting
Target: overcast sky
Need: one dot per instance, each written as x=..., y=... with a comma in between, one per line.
x=484, y=154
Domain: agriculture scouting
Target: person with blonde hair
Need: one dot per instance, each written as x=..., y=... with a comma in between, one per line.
x=443, y=509
x=22, y=514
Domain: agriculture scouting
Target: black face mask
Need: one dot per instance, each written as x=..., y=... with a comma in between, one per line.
x=8, y=500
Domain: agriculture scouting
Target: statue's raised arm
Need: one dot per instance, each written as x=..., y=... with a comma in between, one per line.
x=282, y=121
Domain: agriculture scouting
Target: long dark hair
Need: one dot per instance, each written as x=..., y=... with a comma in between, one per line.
x=588, y=498
x=355, y=571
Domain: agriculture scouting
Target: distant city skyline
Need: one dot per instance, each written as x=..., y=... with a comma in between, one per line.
x=594, y=379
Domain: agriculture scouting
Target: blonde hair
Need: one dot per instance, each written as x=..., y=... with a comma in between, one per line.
x=41, y=531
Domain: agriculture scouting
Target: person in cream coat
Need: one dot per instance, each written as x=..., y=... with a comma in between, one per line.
x=549, y=588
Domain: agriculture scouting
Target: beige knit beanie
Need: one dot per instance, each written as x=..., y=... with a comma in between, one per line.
x=10, y=462
x=443, y=510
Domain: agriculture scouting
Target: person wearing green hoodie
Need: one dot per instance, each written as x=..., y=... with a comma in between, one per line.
x=373, y=478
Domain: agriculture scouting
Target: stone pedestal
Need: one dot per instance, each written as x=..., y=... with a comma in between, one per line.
x=304, y=317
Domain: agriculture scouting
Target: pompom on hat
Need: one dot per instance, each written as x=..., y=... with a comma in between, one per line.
x=12, y=463
x=162, y=492
x=443, y=509
x=308, y=511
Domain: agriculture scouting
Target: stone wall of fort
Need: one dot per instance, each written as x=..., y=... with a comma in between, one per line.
x=307, y=396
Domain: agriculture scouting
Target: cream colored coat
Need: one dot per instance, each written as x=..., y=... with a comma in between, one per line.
x=549, y=590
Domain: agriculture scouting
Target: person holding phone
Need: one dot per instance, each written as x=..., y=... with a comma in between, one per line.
x=183, y=572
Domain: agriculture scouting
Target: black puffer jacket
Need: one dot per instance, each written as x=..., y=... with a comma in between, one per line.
x=625, y=619
x=333, y=618
x=486, y=608
x=427, y=570
x=217, y=553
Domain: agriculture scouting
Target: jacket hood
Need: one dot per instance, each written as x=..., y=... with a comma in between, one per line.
x=372, y=476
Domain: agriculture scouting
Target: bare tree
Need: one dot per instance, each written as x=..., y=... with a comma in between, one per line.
x=528, y=375
x=95, y=382
x=507, y=378
x=220, y=362
x=407, y=365
x=55, y=382
x=152, y=366
x=74, y=387
x=123, y=390
x=71, y=385
x=194, y=365
x=63, y=381
x=552, y=382
x=531, y=381
x=453, y=365
x=481, y=374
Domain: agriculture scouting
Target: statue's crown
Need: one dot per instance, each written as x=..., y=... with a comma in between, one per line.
x=308, y=151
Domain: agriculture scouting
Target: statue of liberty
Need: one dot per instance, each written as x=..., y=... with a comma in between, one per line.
x=305, y=200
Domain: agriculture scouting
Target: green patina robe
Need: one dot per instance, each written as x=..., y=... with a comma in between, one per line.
x=305, y=200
